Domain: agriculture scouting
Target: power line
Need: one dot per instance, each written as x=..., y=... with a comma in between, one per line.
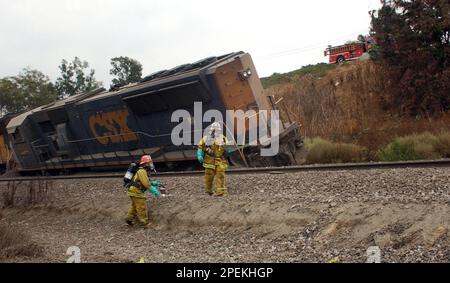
x=306, y=48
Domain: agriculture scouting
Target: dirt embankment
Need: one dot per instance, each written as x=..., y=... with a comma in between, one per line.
x=301, y=217
x=347, y=105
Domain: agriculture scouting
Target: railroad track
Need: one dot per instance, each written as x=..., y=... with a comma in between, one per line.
x=273, y=170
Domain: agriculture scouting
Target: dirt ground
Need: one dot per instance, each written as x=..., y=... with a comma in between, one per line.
x=291, y=217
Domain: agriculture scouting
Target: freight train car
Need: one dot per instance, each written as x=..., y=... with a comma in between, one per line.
x=111, y=128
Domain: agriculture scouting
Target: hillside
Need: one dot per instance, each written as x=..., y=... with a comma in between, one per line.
x=344, y=103
x=317, y=70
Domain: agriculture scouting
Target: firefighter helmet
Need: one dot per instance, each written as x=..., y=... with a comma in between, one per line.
x=215, y=128
x=145, y=159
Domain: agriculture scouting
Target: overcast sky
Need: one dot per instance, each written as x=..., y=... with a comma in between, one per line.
x=280, y=35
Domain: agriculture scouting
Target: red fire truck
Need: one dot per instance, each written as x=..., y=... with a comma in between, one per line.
x=348, y=52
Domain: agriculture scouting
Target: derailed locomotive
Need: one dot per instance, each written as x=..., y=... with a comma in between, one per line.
x=111, y=128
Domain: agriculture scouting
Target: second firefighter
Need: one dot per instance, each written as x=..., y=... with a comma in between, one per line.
x=211, y=153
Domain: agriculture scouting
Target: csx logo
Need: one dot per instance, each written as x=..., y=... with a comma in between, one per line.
x=111, y=127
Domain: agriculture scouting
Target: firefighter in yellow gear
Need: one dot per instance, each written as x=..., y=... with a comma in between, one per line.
x=140, y=184
x=211, y=153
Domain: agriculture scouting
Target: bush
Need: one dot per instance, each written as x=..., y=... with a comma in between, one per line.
x=443, y=144
x=321, y=151
x=398, y=150
x=417, y=147
x=374, y=52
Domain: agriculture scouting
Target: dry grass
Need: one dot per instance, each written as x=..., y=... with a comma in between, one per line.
x=321, y=151
x=341, y=104
x=29, y=193
x=14, y=242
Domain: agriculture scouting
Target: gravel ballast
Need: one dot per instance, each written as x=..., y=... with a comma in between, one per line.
x=290, y=217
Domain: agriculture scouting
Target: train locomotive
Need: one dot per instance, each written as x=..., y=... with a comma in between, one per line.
x=111, y=128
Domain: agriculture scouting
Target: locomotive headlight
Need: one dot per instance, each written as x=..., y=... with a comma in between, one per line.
x=245, y=74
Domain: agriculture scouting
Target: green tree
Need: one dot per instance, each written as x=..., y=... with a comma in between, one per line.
x=36, y=87
x=126, y=70
x=413, y=38
x=361, y=38
x=11, y=99
x=75, y=78
x=28, y=90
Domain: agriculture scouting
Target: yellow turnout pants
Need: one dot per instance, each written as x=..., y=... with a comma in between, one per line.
x=139, y=210
x=209, y=180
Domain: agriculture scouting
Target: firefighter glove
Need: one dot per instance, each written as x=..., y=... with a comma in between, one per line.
x=200, y=155
x=154, y=191
x=155, y=184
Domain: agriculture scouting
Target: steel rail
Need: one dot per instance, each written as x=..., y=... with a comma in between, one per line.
x=259, y=170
